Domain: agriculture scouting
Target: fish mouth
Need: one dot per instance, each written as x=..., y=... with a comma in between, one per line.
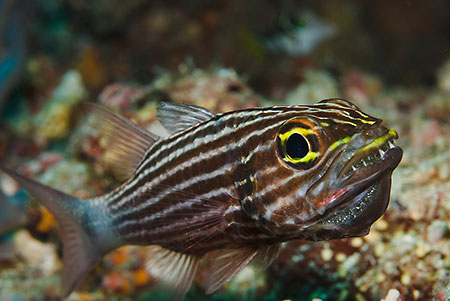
x=362, y=193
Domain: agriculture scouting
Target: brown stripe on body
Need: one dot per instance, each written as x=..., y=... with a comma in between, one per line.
x=186, y=157
x=217, y=160
x=223, y=178
x=169, y=165
x=178, y=143
x=197, y=234
x=141, y=178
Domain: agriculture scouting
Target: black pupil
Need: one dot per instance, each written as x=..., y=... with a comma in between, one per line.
x=296, y=146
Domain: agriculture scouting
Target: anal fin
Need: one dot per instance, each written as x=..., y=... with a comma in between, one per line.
x=174, y=270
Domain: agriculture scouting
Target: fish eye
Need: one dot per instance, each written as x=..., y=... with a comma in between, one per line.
x=296, y=146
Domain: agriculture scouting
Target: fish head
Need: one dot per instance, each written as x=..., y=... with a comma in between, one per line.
x=327, y=174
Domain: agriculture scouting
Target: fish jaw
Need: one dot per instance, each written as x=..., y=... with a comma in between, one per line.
x=362, y=195
x=357, y=213
x=355, y=218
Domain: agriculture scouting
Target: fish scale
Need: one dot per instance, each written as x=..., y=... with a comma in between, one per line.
x=231, y=186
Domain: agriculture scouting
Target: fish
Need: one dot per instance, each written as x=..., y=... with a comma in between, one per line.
x=231, y=187
x=12, y=213
x=12, y=216
x=299, y=34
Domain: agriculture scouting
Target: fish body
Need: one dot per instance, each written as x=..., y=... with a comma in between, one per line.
x=233, y=186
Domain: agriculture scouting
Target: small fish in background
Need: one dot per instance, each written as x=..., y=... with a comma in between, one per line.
x=12, y=216
x=12, y=212
x=12, y=46
x=299, y=35
x=231, y=186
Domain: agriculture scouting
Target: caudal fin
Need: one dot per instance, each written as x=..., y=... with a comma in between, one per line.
x=80, y=252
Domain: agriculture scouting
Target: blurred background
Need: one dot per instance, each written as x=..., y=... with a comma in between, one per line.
x=392, y=58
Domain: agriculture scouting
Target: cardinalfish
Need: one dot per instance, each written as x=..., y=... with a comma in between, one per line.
x=231, y=186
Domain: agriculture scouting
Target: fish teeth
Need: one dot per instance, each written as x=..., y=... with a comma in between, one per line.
x=381, y=152
x=391, y=145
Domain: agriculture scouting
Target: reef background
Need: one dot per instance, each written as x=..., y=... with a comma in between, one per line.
x=392, y=58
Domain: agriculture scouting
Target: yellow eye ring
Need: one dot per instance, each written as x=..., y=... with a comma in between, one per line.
x=295, y=146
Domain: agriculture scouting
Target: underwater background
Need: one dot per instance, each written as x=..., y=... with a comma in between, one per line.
x=392, y=58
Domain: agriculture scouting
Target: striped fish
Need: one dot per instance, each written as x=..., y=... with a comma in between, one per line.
x=232, y=186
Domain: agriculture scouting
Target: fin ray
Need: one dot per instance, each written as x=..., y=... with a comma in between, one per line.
x=178, y=117
x=79, y=253
x=266, y=255
x=227, y=263
x=174, y=270
x=126, y=142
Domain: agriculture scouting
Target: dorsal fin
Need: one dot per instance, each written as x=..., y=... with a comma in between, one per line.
x=125, y=142
x=178, y=117
x=174, y=270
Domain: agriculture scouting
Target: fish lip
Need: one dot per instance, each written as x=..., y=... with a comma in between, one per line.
x=357, y=179
x=387, y=155
x=362, y=180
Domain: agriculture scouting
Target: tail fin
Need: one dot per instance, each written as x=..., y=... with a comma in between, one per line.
x=80, y=252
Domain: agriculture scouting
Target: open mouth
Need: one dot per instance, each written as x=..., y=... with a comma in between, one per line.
x=364, y=190
x=369, y=163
